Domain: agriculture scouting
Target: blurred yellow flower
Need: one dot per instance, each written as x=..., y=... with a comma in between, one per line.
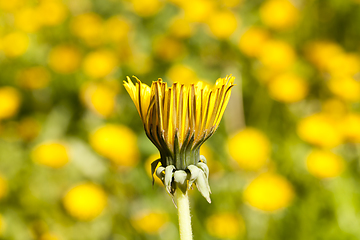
x=181, y=27
x=146, y=8
x=64, y=59
x=252, y=40
x=225, y=226
x=117, y=143
x=320, y=130
x=324, y=164
x=2, y=225
x=346, y=88
x=10, y=101
x=288, y=88
x=279, y=14
x=182, y=74
x=99, y=97
x=250, y=148
x=222, y=24
x=14, y=44
x=52, y=154
x=350, y=126
x=3, y=187
x=28, y=128
x=116, y=29
x=27, y=20
x=149, y=221
x=147, y=166
x=343, y=65
x=88, y=27
x=197, y=10
x=85, y=201
x=100, y=63
x=269, y=192
x=34, y=77
x=11, y=6
x=320, y=52
x=335, y=108
x=174, y=49
x=51, y=12
x=49, y=236
x=276, y=54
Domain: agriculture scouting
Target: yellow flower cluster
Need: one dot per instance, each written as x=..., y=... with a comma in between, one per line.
x=52, y=154
x=10, y=100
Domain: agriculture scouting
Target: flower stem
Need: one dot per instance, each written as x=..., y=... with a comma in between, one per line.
x=184, y=215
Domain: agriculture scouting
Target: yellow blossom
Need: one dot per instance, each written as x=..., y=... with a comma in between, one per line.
x=149, y=221
x=288, y=88
x=116, y=29
x=15, y=44
x=225, y=225
x=100, y=63
x=117, y=143
x=276, y=54
x=85, y=201
x=28, y=20
x=252, y=41
x=320, y=52
x=52, y=154
x=2, y=225
x=350, y=126
x=324, y=164
x=88, y=27
x=10, y=100
x=250, y=148
x=178, y=120
x=222, y=24
x=99, y=97
x=174, y=49
x=181, y=73
x=181, y=28
x=346, y=88
x=320, y=130
x=34, y=78
x=279, y=14
x=343, y=65
x=51, y=12
x=49, y=236
x=198, y=10
x=64, y=59
x=269, y=192
x=146, y=8
x=3, y=187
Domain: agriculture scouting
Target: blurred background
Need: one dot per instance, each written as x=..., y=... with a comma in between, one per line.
x=75, y=161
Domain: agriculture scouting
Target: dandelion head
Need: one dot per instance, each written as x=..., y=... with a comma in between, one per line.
x=178, y=120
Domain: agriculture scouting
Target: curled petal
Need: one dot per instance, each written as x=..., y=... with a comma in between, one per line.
x=168, y=177
x=194, y=173
x=203, y=186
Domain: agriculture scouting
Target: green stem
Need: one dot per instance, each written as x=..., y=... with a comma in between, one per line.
x=184, y=215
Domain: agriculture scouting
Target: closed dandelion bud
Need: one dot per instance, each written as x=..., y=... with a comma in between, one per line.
x=178, y=120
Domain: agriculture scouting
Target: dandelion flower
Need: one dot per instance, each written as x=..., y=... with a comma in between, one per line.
x=178, y=120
